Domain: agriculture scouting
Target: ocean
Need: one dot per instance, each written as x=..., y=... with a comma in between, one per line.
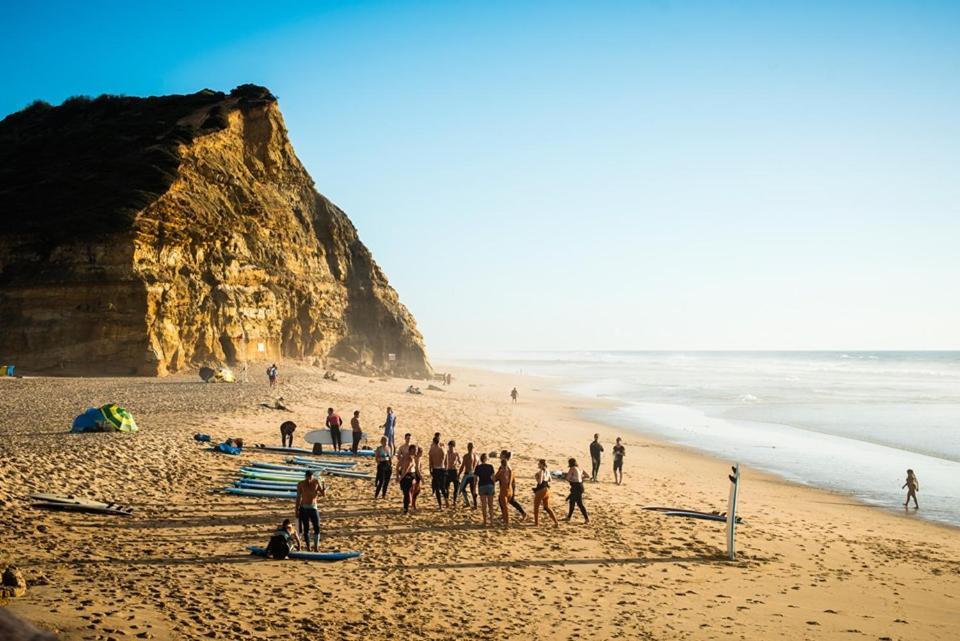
x=851, y=422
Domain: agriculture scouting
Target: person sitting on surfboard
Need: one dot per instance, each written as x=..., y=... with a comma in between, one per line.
x=283, y=540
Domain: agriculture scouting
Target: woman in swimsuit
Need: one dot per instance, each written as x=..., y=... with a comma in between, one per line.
x=485, y=488
x=575, y=478
x=505, y=477
x=541, y=494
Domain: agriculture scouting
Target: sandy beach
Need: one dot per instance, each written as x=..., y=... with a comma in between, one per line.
x=812, y=565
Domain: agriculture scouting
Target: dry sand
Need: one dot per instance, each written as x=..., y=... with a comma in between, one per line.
x=813, y=565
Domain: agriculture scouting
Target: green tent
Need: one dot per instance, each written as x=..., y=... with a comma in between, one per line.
x=117, y=419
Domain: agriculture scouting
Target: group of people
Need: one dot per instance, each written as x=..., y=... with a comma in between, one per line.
x=471, y=478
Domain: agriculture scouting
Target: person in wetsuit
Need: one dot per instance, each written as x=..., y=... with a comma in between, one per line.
x=308, y=513
x=595, y=451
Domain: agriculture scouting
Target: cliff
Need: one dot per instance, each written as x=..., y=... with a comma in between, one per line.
x=149, y=235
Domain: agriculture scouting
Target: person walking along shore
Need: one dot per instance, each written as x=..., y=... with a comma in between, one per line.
x=575, y=478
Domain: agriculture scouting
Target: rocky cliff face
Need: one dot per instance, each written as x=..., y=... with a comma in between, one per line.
x=144, y=236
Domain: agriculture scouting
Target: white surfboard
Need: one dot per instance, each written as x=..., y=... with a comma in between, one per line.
x=732, y=513
x=324, y=437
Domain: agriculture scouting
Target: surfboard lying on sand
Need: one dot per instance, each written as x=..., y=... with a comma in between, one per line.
x=311, y=556
x=281, y=475
x=324, y=437
x=265, y=494
x=698, y=515
x=284, y=450
x=294, y=468
x=303, y=460
x=93, y=508
x=682, y=511
x=254, y=484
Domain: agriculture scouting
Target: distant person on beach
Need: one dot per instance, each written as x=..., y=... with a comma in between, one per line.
x=595, y=451
x=284, y=539
x=505, y=477
x=514, y=394
x=333, y=424
x=272, y=373
x=512, y=500
x=307, y=511
x=485, y=488
x=451, y=463
x=287, y=428
x=575, y=478
x=356, y=431
x=618, y=453
x=468, y=476
x=390, y=427
x=383, y=455
x=913, y=486
x=541, y=494
x=438, y=473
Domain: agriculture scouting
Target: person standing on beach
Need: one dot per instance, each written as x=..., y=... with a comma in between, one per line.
x=406, y=470
x=541, y=494
x=595, y=451
x=357, y=432
x=512, y=500
x=468, y=477
x=451, y=464
x=505, y=477
x=575, y=478
x=390, y=427
x=913, y=486
x=287, y=428
x=618, y=453
x=417, y=476
x=272, y=373
x=514, y=394
x=383, y=455
x=485, y=488
x=438, y=473
x=405, y=445
x=333, y=424
x=307, y=511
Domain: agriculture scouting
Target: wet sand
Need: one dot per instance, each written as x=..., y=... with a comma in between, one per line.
x=813, y=565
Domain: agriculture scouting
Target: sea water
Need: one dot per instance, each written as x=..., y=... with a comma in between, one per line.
x=851, y=422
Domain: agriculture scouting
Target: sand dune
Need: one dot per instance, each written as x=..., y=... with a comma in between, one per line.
x=813, y=565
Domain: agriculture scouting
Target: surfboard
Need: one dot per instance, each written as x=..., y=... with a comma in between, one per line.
x=105, y=508
x=343, y=453
x=293, y=468
x=302, y=460
x=732, y=513
x=324, y=437
x=311, y=556
x=266, y=494
x=266, y=487
x=67, y=498
x=282, y=450
x=655, y=508
x=698, y=515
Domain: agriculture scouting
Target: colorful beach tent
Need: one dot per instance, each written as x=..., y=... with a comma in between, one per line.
x=109, y=418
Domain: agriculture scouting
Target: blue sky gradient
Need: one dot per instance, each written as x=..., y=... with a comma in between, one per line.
x=602, y=175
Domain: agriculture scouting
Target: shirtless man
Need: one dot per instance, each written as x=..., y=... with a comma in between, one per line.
x=407, y=474
x=468, y=477
x=403, y=449
x=404, y=459
x=437, y=472
x=307, y=511
x=451, y=463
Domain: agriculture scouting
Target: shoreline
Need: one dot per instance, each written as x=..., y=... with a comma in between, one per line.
x=811, y=564
x=599, y=404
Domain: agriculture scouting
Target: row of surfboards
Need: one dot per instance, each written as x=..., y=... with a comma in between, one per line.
x=279, y=481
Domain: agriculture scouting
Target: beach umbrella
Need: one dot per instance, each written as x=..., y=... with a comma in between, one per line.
x=118, y=419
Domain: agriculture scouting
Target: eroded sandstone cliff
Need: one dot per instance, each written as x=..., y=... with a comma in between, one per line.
x=148, y=235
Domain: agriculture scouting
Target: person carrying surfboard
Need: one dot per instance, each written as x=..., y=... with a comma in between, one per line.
x=308, y=513
x=333, y=424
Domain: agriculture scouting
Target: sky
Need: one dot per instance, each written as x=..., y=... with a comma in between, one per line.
x=591, y=175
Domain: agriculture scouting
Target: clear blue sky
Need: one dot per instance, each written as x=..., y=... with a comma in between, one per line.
x=631, y=175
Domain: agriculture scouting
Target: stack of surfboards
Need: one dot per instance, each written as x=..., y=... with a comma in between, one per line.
x=69, y=503
x=277, y=481
x=302, y=451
